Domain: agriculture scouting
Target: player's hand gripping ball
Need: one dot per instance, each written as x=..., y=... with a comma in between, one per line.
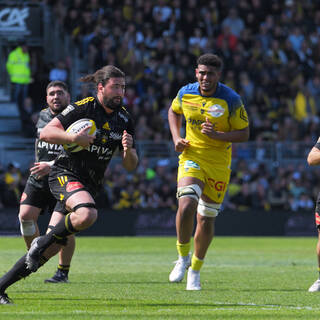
x=76, y=127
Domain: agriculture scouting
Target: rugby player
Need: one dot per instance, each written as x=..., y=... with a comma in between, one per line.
x=314, y=159
x=76, y=177
x=215, y=117
x=36, y=197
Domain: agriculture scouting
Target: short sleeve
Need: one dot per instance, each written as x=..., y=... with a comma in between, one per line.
x=176, y=105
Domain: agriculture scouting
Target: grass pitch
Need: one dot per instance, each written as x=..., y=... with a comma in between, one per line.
x=127, y=278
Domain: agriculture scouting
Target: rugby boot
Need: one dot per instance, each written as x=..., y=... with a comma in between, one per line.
x=193, y=280
x=60, y=276
x=4, y=299
x=182, y=264
x=315, y=287
x=33, y=255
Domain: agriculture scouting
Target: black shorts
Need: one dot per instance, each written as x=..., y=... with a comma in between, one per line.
x=63, y=184
x=41, y=197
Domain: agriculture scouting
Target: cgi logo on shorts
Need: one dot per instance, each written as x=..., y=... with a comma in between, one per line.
x=217, y=185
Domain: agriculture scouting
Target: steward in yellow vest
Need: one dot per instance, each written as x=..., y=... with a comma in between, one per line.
x=18, y=65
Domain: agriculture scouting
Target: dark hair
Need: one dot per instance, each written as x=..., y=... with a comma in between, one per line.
x=103, y=75
x=57, y=83
x=210, y=59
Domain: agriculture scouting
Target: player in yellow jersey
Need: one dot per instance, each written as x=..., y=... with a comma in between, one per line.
x=215, y=117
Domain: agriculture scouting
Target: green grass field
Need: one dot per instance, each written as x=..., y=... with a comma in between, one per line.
x=127, y=278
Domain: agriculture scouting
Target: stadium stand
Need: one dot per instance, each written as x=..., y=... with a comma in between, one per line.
x=274, y=66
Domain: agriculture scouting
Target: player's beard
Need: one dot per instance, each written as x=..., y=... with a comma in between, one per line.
x=58, y=109
x=112, y=104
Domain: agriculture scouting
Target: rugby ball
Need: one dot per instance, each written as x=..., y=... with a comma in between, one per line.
x=77, y=127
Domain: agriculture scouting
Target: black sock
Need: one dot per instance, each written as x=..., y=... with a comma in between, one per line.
x=62, y=229
x=17, y=272
x=64, y=268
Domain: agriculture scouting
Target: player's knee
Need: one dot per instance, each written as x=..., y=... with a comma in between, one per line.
x=86, y=215
x=27, y=227
x=27, y=215
x=187, y=207
x=191, y=191
x=207, y=209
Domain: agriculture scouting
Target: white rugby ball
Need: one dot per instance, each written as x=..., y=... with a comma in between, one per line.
x=77, y=127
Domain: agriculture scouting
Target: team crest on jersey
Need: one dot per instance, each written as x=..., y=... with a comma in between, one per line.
x=191, y=164
x=216, y=111
x=67, y=109
x=106, y=126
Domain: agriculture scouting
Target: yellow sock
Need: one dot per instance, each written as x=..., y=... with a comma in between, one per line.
x=196, y=263
x=183, y=248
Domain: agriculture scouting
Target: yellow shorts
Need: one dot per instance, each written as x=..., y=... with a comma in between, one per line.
x=215, y=177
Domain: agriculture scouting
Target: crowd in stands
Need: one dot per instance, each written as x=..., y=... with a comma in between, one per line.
x=271, y=53
x=253, y=185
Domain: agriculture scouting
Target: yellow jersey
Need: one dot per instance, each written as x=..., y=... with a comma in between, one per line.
x=224, y=109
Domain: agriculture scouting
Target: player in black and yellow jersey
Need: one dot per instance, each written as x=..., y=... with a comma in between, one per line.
x=314, y=160
x=36, y=197
x=76, y=177
x=215, y=117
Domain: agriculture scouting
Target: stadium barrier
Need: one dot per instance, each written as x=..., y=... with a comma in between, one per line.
x=158, y=222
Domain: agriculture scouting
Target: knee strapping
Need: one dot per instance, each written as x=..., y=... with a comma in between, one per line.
x=208, y=209
x=84, y=205
x=27, y=227
x=191, y=191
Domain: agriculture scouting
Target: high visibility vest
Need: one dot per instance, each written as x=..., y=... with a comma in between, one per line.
x=18, y=66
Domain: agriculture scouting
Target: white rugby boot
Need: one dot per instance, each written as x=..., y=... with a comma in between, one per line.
x=315, y=287
x=182, y=264
x=193, y=280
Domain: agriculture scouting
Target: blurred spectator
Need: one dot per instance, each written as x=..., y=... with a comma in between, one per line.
x=305, y=203
x=29, y=117
x=234, y=22
x=59, y=72
x=13, y=180
x=129, y=198
x=84, y=92
x=18, y=67
x=277, y=196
